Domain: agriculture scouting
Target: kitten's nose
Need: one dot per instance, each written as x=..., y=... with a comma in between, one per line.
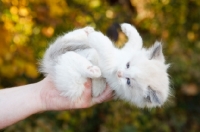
x=119, y=74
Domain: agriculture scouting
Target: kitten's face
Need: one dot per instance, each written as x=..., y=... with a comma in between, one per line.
x=144, y=79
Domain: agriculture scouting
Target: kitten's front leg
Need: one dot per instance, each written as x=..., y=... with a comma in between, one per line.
x=134, y=38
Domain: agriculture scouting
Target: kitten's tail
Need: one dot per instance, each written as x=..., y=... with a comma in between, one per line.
x=62, y=45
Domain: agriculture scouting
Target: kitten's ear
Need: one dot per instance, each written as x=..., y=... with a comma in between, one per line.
x=153, y=96
x=155, y=52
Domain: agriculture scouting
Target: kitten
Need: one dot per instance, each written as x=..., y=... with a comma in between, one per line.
x=137, y=75
x=69, y=62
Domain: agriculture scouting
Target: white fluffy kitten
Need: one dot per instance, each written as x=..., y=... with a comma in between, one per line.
x=137, y=75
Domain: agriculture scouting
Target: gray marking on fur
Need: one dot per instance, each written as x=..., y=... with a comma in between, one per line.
x=148, y=99
x=156, y=51
x=152, y=96
x=61, y=51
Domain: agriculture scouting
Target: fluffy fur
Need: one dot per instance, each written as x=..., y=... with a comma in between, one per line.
x=136, y=74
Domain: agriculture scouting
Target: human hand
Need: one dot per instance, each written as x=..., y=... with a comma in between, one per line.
x=52, y=100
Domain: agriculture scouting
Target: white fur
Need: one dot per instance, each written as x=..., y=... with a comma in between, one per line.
x=147, y=72
x=70, y=68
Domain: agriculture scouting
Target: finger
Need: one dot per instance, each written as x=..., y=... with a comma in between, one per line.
x=109, y=97
x=109, y=94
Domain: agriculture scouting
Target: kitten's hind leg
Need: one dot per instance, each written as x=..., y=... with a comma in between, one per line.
x=71, y=72
x=134, y=38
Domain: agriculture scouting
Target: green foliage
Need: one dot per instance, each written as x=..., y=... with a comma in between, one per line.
x=27, y=27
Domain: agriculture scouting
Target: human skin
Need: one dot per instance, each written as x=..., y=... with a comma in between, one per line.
x=18, y=103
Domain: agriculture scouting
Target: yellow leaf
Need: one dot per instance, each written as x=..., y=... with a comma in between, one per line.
x=31, y=71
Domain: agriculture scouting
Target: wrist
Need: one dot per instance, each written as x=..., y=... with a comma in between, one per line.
x=39, y=86
x=41, y=94
x=46, y=94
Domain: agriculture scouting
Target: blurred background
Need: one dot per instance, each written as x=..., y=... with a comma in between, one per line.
x=28, y=26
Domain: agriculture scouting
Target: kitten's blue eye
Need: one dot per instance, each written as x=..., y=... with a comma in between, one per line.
x=128, y=81
x=127, y=65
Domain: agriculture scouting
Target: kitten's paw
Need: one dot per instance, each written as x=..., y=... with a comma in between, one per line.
x=93, y=71
x=128, y=29
x=88, y=30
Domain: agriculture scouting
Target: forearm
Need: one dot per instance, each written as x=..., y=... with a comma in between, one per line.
x=18, y=103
